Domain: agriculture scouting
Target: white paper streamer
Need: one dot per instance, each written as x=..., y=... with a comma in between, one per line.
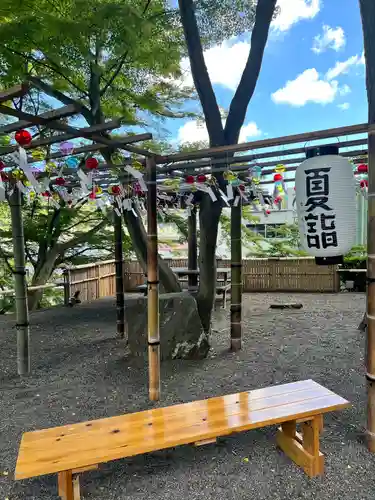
x=236, y=201
x=223, y=196
x=137, y=175
x=2, y=190
x=22, y=158
x=230, y=192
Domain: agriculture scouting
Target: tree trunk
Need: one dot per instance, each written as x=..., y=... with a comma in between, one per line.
x=42, y=274
x=22, y=312
x=368, y=24
x=168, y=280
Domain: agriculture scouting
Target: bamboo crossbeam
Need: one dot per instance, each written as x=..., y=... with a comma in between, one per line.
x=45, y=141
x=10, y=291
x=38, y=120
x=266, y=143
x=14, y=92
x=187, y=166
x=52, y=115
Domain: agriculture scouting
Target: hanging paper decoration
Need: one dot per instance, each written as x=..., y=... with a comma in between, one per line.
x=23, y=137
x=51, y=166
x=114, y=190
x=326, y=203
x=60, y=181
x=201, y=178
x=190, y=179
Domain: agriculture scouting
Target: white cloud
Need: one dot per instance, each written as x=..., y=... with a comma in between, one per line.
x=292, y=11
x=225, y=63
x=196, y=131
x=332, y=38
x=344, y=90
x=307, y=87
x=344, y=106
x=344, y=66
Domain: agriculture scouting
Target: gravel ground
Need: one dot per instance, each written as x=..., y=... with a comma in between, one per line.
x=80, y=373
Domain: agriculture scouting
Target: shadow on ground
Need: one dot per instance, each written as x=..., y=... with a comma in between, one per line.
x=81, y=371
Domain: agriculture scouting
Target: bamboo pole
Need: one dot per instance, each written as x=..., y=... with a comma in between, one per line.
x=153, y=284
x=370, y=344
x=236, y=277
x=119, y=270
x=20, y=286
x=192, y=247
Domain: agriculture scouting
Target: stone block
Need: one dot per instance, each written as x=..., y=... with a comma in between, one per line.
x=181, y=332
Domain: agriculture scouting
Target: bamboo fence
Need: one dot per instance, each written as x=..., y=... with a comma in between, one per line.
x=300, y=275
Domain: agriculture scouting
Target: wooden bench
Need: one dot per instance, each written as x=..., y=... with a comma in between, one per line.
x=223, y=290
x=76, y=448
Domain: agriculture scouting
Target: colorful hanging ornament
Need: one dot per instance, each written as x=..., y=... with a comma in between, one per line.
x=363, y=184
x=201, y=178
x=72, y=162
x=362, y=168
x=190, y=179
x=2, y=165
x=23, y=137
x=277, y=177
x=66, y=148
x=114, y=190
x=51, y=166
x=280, y=168
x=38, y=154
x=92, y=163
x=60, y=181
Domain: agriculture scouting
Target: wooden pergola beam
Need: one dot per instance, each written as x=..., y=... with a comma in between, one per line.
x=55, y=114
x=14, y=92
x=266, y=143
x=253, y=157
x=62, y=138
x=38, y=120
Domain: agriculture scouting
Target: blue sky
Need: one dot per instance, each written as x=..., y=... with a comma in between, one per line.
x=313, y=76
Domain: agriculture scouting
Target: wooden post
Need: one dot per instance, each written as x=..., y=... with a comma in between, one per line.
x=153, y=284
x=66, y=274
x=370, y=344
x=20, y=286
x=236, y=277
x=192, y=247
x=119, y=270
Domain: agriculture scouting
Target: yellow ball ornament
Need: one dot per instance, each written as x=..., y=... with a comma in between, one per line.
x=38, y=154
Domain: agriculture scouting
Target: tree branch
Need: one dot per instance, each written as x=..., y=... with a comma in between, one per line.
x=60, y=96
x=82, y=238
x=115, y=74
x=238, y=107
x=200, y=74
x=6, y=257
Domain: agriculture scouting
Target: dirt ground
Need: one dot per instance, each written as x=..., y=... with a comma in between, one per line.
x=81, y=372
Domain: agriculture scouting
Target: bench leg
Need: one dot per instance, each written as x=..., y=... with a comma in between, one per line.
x=68, y=486
x=303, y=448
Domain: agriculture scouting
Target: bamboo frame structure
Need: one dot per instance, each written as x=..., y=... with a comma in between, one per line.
x=119, y=270
x=370, y=341
x=153, y=284
x=192, y=247
x=20, y=286
x=236, y=277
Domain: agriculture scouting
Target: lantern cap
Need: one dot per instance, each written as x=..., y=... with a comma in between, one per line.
x=327, y=149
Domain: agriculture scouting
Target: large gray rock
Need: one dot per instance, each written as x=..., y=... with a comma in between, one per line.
x=181, y=332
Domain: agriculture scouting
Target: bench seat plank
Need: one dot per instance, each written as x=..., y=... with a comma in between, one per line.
x=88, y=443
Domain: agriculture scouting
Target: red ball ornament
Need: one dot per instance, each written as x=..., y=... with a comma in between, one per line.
x=46, y=194
x=116, y=190
x=92, y=163
x=23, y=137
x=60, y=181
x=2, y=165
x=277, y=177
x=277, y=200
x=4, y=176
x=190, y=179
x=268, y=211
x=241, y=187
x=364, y=183
x=362, y=168
x=201, y=178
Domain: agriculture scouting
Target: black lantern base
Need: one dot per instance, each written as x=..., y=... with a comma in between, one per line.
x=329, y=261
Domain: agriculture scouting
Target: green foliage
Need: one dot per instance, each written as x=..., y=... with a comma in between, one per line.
x=356, y=258
x=126, y=52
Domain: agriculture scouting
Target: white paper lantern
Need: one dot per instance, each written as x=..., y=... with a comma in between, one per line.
x=326, y=205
